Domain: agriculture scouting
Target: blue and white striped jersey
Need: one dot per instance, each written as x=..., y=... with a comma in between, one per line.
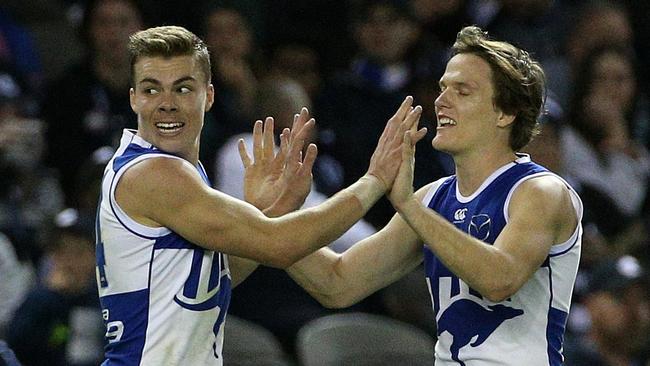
x=528, y=327
x=164, y=299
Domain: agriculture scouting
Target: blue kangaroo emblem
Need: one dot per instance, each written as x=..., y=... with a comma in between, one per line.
x=465, y=319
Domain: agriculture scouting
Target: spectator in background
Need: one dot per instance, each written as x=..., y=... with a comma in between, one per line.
x=599, y=136
x=18, y=52
x=87, y=107
x=618, y=313
x=299, y=62
x=440, y=19
x=17, y=279
x=231, y=44
x=353, y=102
x=536, y=25
x=269, y=297
x=30, y=194
x=595, y=23
x=7, y=356
x=60, y=322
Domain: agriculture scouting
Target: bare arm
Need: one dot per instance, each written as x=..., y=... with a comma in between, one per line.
x=340, y=280
x=170, y=193
x=540, y=213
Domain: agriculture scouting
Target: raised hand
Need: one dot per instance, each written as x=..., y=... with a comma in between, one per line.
x=279, y=179
x=387, y=158
x=403, y=185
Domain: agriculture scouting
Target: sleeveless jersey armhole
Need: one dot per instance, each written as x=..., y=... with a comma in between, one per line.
x=557, y=248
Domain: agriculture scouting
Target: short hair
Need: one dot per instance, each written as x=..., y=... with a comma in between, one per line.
x=519, y=81
x=168, y=41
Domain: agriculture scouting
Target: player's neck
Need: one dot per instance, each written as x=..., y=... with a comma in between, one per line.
x=474, y=168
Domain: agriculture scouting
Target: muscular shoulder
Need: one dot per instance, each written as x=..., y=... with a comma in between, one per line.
x=154, y=184
x=546, y=198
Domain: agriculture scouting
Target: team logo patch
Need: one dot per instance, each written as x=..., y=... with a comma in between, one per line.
x=479, y=226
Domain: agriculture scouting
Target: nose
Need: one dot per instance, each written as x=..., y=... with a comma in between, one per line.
x=442, y=100
x=167, y=103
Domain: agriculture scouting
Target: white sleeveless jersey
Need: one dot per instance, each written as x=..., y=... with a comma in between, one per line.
x=164, y=299
x=526, y=329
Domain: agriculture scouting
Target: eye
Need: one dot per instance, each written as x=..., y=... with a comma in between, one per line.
x=150, y=91
x=462, y=91
x=184, y=90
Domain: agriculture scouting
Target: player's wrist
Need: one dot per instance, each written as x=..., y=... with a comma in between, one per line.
x=408, y=206
x=368, y=189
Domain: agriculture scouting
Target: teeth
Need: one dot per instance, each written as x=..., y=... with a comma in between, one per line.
x=446, y=121
x=169, y=125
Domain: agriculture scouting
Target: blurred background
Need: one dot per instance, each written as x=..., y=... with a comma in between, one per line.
x=64, y=80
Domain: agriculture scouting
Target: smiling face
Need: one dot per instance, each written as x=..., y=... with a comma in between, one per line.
x=170, y=97
x=467, y=116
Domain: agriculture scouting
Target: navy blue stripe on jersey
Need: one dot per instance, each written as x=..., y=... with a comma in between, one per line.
x=555, y=335
x=126, y=326
x=173, y=241
x=555, y=327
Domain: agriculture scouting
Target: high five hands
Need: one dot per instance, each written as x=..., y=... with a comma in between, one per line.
x=279, y=179
x=396, y=146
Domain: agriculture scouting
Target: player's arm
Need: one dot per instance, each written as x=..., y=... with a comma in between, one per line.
x=541, y=213
x=340, y=280
x=169, y=192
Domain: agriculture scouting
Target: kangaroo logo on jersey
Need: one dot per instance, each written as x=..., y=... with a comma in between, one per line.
x=201, y=289
x=465, y=319
x=479, y=226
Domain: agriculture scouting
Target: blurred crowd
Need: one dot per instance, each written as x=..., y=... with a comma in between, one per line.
x=64, y=80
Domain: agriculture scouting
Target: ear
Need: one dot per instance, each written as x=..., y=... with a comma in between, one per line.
x=505, y=120
x=209, y=100
x=132, y=100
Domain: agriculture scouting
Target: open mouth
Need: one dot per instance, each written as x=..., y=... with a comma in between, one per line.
x=169, y=127
x=446, y=122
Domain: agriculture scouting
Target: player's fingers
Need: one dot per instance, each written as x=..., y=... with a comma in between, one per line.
x=419, y=135
x=306, y=130
x=300, y=122
x=243, y=154
x=284, y=141
x=310, y=158
x=268, y=138
x=257, y=141
x=404, y=108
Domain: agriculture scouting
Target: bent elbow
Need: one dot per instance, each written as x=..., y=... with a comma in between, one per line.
x=499, y=292
x=497, y=296
x=279, y=261
x=334, y=302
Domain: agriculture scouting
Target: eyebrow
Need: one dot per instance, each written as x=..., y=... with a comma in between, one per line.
x=157, y=82
x=459, y=84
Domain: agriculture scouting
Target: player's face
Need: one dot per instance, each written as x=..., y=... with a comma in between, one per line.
x=467, y=117
x=170, y=97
